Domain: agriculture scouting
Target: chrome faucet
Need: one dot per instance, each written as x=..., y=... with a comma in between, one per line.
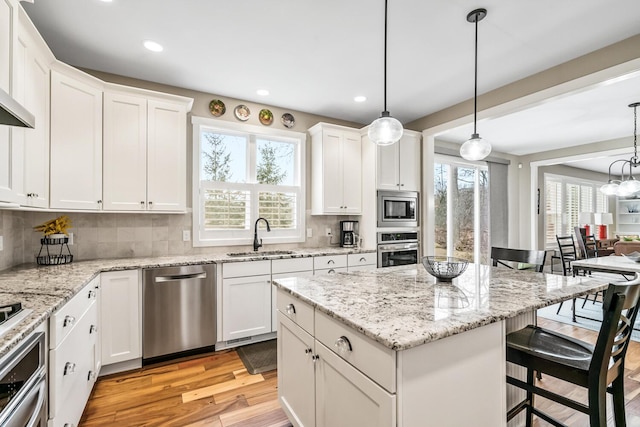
x=258, y=243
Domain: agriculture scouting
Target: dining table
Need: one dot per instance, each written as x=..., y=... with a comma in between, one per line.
x=615, y=264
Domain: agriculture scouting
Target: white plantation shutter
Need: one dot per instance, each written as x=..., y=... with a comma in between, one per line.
x=226, y=209
x=279, y=208
x=553, y=211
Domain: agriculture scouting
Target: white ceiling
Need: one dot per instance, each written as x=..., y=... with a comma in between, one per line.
x=315, y=56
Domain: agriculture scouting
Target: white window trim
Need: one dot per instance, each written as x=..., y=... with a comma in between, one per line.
x=245, y=237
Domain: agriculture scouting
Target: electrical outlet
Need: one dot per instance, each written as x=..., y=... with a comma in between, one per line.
x=327, y=231
x=186, y=235
x=70, y=239
x=309, y=232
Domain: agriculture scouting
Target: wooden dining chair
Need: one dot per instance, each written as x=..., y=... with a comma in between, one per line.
x=598, y=368
x=520, y=259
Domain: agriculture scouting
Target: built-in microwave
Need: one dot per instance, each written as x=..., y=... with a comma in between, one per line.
x=397, y=208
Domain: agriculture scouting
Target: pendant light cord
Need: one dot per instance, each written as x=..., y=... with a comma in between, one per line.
x=385, y=55
x=635, y=136
x=475, y=82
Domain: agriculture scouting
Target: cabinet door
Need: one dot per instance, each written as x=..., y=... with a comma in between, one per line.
x=296, y=373
x=332, y=178
x=125, y=152
x=166, y=161
x=76, y=143
x=246, y=306
x=409, y=161
x=6, y=43
x=352, y=173
x=36, y=141
x=387, y=174
x=345, y=397
x=120, y=316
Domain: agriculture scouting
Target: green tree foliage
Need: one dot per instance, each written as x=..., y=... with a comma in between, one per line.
x=216, y=160
x=268, y=170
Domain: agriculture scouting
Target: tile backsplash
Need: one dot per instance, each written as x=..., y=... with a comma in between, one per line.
x=124, y=235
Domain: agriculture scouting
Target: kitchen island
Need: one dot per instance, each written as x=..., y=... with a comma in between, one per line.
x=390, y=347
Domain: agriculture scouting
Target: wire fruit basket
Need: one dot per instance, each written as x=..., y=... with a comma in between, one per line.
x=444, y=268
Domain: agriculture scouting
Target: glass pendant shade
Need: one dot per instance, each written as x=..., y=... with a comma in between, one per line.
x=628, y=187
x=475, y=148
x=610, y=188
x=385, y=130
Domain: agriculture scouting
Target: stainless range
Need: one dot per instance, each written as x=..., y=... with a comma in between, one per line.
x=397, y=248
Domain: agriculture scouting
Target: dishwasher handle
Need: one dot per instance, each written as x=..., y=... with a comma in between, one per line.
x=178, y=277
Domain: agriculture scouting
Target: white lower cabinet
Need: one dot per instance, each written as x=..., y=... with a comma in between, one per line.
x=121, y=316
x=73, y=362
x=246, y=299
x=316, y=386
x=365, y=261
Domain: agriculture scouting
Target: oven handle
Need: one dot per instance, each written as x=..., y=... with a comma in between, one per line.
x=397, y=247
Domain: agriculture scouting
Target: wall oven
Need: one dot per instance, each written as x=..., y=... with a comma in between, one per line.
x=397, y=209
x=397, y=248
x=23, y=391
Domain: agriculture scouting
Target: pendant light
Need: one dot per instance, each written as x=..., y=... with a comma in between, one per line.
x=475, y=148
x=630, y=185
x=385, y=130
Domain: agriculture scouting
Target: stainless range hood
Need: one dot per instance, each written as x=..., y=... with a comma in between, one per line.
x=14, y=114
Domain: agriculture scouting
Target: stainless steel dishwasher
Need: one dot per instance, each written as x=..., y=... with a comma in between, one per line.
x=178, y=310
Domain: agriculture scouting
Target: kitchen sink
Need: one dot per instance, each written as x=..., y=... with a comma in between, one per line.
x=258, y=253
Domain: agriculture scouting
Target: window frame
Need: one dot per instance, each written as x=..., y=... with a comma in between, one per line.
x=566, y=227
x=204, y=238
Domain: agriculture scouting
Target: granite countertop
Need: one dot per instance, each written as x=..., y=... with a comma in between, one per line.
x=403, y=307
x=44, y=289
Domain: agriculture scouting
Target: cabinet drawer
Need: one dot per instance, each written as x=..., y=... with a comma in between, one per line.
x=330, y=271
x=249, y=268
x=63, y=320
x=291, y=265
x=329, y=261
x=362, y=259
x=73, y=360
x=298, y=311
x=373, y=359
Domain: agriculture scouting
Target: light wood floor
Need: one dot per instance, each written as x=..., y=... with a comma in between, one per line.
x=215, y=390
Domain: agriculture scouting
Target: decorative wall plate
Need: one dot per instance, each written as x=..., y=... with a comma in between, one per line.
x=288, y=120
x=242, y=112
x=265, y=116
x=217, y=107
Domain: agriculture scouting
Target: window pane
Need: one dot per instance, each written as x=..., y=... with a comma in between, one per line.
x=223, y=157
x=278, y=208
x=226, y=209
x=275, y=163
x=483, y=189
x=441, y=182
x=463, y=213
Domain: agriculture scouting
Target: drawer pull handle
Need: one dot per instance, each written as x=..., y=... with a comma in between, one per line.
x=92, y=294
x=92, y=329
x=307, y=350
x=343, y=345
x=68, y=321
x=291, y=309
x=331, y=261
x=362, y=259
x=69, y=368
x=331, y=271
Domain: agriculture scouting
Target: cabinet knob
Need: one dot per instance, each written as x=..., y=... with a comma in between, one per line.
x=291, y=309
x=343, y=345
x=99, y=202
x=150, y=203
x=142, y=203
x=68, y=321
x=92, y=329
x=91, y=376
x=308, y=350
x=92, y=294
x=69, y=368
x=315, y=358
x=401, y=185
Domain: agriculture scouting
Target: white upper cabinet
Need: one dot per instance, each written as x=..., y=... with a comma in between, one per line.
x=76, y=139
x=144, y=151
x=398, y=165
x=7, y=193
x=336, y=171
x=30, y=147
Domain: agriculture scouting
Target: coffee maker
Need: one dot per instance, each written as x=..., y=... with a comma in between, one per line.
x=348, y=236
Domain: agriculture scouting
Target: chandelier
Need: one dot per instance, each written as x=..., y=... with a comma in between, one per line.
x=628, y=186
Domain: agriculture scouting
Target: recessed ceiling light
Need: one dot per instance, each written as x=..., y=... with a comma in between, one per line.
x=360, y=98
x=262, y=92
x=153, y=46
